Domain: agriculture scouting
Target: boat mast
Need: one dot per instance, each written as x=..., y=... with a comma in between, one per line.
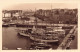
x=51, y=17
x=35, y=23
x=35, y=20
x=51, y=13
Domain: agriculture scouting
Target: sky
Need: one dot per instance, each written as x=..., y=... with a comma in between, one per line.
x=32, y=6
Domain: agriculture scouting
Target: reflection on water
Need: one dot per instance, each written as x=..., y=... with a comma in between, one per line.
x=11, y=40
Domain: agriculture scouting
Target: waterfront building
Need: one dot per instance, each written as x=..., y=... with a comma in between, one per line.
x=11, y=13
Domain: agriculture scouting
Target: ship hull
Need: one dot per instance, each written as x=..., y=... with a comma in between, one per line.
x=37, y=39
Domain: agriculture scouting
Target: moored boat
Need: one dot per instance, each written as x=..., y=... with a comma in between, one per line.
x=40, y=46
x=40, y=34
x=39, y=37
x=5, y=25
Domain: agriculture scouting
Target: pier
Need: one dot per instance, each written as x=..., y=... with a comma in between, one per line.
x=66, y=42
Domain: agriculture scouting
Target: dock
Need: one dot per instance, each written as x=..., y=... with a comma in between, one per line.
x=66, y=42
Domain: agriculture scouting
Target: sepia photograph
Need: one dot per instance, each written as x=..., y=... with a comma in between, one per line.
x=40, y=26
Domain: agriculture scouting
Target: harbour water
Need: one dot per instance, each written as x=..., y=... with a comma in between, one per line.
x=11, y=40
